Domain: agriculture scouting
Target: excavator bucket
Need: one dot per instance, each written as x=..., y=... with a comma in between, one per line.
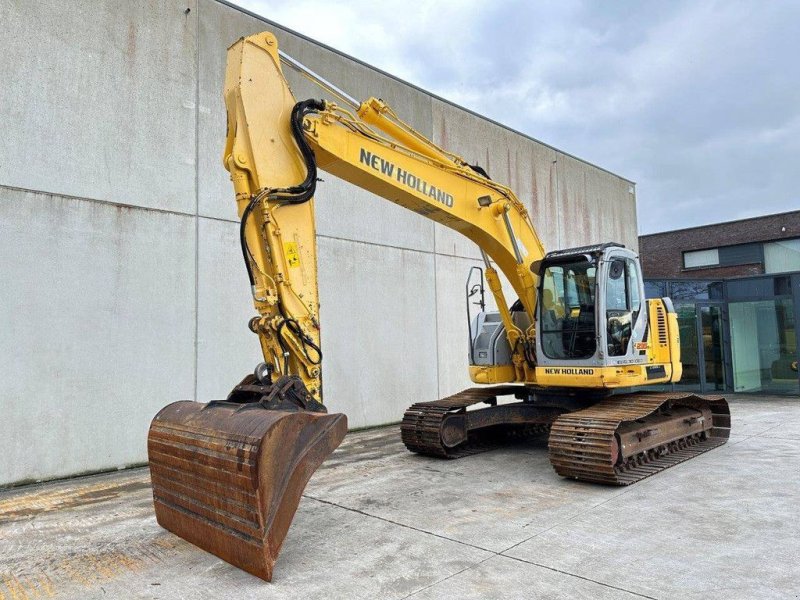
x=228, y=476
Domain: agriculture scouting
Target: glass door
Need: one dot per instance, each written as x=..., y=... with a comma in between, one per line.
x=711, y=346
x=764, y=346
x=691, y=358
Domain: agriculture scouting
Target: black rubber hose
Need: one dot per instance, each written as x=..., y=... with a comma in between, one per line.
x=243, y=238
x=296, y=194
x=303, y=192
x=305, y=340
x=479, y=170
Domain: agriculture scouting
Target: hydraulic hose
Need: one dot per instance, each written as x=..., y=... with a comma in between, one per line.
x=305, y=341
x=296, y=194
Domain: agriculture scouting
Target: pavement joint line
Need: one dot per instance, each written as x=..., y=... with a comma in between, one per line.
x=443, y=579
x=624, y=491
x=566, y=520
x=744, y=438
x=776, y=437
x=384, y=519
x=492, y=552
x=589, y=579
x=768, y=429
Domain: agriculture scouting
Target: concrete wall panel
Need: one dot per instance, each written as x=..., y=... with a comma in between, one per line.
x=594, y=207
x=378, y=330
x=545, y=212
x=577, y=215
x=98, y=100
x=96, y=331
x=226, y=349
x=219, y=27
x=517, y=162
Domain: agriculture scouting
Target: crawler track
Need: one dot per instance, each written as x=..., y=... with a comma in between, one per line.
x=584, y=444
x=443, y=428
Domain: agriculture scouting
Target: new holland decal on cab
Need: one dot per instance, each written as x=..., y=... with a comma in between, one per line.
x=567, y=371
x=409, y=180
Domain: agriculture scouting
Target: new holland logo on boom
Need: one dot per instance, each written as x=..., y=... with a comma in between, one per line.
x=408, y=179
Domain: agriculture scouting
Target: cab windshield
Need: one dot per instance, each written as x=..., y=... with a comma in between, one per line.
x=567, y=310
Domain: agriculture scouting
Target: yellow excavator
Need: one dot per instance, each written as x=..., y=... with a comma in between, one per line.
x=564, y=357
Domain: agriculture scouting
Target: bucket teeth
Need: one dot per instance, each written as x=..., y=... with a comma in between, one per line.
x=228, y=477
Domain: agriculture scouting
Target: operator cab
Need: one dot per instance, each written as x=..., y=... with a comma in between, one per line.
x=591, y=306
x=591, y=312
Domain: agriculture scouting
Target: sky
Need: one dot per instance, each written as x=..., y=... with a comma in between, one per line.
x=698, y=101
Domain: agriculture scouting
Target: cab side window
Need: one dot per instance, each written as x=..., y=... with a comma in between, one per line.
x=616, y=288
x=633, y=287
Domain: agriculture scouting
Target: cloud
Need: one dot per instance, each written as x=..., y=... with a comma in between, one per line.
x=696, y=101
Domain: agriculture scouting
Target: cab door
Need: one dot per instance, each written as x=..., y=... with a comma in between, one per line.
x=623, y=318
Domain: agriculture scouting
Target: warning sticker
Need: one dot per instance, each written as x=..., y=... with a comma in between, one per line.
x=292, y=254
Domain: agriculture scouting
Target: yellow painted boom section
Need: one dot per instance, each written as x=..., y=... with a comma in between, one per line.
x=261, y=154
x=373, y=149
x=443, y=195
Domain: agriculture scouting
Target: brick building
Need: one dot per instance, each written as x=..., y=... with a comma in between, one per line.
x=736, y=289
x=757, y=246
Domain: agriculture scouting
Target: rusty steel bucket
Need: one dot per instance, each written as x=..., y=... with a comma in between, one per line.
x=228, y=476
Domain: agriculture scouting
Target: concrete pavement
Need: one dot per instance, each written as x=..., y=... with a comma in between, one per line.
x=379, y=522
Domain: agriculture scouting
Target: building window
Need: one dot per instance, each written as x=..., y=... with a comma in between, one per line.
x=691, y=289
x=687, y=328
x=782, y=256
x=655, y=289
x=701, y=258
x=763, y=345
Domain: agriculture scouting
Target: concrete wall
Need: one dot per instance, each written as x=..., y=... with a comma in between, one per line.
x=121, y=283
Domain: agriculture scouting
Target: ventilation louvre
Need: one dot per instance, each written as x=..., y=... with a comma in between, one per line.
x=661, y=325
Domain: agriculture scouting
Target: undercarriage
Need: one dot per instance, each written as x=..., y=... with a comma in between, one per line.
x=618, y=440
